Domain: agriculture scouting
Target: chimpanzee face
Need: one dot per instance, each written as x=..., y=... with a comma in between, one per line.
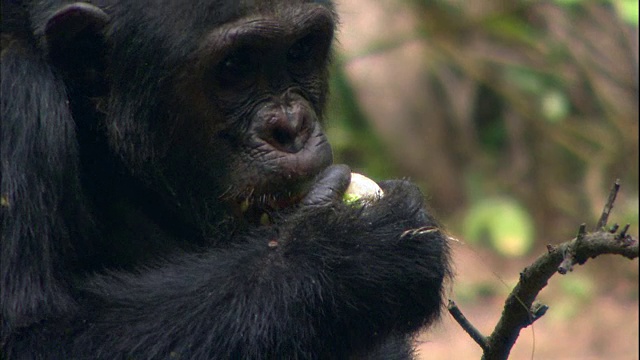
x=241, y=113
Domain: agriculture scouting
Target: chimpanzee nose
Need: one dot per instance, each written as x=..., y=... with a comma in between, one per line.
x=286, y=128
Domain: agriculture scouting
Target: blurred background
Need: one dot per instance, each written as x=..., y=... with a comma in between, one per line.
x=515, y=117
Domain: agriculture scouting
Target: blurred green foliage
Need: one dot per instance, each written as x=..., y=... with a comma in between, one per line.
x=548, y=119
x=502, y=223
x=626, y=9
x=571, y=294
x=353, y=139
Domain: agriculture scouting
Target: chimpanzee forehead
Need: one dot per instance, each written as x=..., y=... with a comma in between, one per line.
x=281, y=22
x=216, y=11
x=242, y=8
x=164, y=33
x=197, y=17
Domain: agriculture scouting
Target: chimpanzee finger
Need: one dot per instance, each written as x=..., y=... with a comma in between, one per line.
x=329, y=186
x=402, y=193
x=408, y=188
x=389, y=185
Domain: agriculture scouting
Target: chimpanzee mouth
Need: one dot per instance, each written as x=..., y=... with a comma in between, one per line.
x=261, y=200
x=261, y=209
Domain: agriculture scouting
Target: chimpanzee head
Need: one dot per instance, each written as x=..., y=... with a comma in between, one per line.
x=215, y=107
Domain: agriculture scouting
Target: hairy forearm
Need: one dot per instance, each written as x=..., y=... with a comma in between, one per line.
x=275, y=292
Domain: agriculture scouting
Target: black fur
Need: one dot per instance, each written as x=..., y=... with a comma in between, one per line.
x=123, y=157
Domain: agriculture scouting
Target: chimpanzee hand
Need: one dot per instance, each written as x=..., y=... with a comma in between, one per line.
x=387, y=257
x=400, y=213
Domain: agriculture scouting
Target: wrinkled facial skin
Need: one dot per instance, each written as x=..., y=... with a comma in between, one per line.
x=250, y=105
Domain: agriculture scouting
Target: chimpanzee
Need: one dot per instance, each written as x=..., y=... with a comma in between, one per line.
x=168, y=191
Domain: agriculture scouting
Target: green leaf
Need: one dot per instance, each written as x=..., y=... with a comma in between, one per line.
x=555, y=105
x=502, y=223
x=628, y=10
x=568, y=2
x=525, y=79
x=512, y=28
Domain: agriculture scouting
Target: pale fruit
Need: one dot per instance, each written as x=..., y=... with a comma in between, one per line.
x=362, y=188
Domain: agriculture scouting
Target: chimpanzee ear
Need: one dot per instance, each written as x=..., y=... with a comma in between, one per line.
x=75, y=42
x=73, y=20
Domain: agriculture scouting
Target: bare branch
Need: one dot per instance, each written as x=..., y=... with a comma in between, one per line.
x=475, y=334
x=519, y=309
x=569, y=257
x=623, y=234
x=608, y=206
x=516, y=314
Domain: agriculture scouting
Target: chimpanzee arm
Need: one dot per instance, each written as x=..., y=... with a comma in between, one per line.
x=38, y=157
x=330, y=280
x=42, y=203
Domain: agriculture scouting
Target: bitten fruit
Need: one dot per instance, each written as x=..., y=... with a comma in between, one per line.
x=362, y=189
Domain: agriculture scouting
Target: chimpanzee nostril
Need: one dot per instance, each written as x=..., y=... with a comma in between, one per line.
x=283, y=136
x=285, y=128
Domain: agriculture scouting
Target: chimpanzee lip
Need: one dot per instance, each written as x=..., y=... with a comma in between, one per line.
x=270, y=194
x=260, y=209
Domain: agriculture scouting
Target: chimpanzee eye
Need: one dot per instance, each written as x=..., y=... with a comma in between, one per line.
x=238, y=67
x=306, y=50
x=301, y=50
